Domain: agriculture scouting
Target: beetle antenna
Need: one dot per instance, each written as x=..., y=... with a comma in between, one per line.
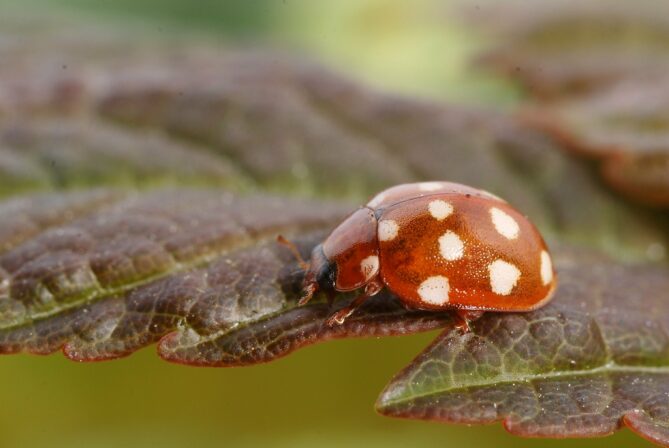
x=296, y=253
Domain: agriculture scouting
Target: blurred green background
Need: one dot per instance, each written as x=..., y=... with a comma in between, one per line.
x=323, y=395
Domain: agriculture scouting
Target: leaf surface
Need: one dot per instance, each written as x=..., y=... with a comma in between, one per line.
x=98, y=272
x=595, y=358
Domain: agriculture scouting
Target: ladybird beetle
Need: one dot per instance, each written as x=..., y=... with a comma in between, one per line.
x=436, y=246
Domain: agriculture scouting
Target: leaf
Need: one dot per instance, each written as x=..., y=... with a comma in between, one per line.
x=595, y=358
x=269, y=337
x=25, y=217
x=626, y=127
x=641, y=177
x=204, y=263
x=573, y=48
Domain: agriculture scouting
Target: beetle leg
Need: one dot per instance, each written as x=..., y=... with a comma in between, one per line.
x=465, y=317
x=307, y=293
x=295, y=251
x=340, y=316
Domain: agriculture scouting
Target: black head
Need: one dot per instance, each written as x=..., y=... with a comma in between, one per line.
x=320, y=275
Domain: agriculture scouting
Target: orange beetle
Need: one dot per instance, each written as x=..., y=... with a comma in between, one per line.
x=436, y=246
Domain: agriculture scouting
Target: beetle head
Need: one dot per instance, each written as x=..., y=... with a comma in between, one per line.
x=319, y=276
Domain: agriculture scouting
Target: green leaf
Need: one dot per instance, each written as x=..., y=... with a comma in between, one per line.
x=595, y=358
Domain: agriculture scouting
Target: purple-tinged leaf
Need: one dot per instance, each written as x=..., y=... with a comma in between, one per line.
x=201, y=262
x=22, y=218
x=276, y=335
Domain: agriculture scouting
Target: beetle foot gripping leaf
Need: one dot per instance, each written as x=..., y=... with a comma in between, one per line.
x=592, y=360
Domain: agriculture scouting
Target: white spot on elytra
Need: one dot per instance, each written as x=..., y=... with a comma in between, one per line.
x=388, y=230
x=376, y=200
x=503, y=277
x=369, y=266
x=429, y=186
x=451, y=246
x=439, y=209
x=505, y=224
x=546, y=268
x=434, y=290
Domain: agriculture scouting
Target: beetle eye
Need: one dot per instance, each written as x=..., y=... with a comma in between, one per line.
x=332, y=273
x=328, y=275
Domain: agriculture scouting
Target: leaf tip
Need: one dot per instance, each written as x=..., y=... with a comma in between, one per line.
x=393, y=392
